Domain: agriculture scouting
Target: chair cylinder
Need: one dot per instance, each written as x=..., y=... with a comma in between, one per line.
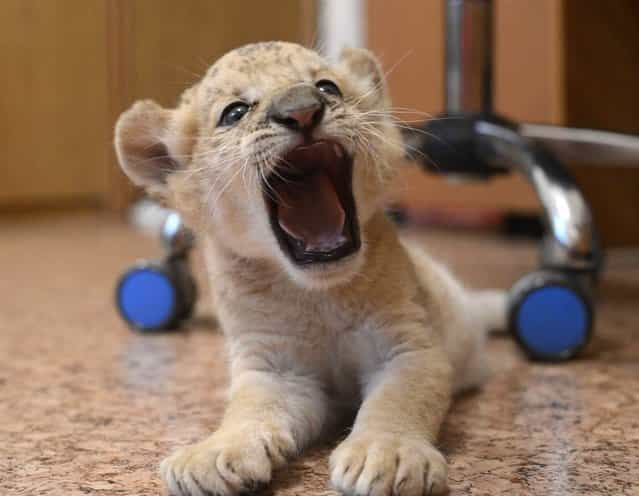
x=469, y=47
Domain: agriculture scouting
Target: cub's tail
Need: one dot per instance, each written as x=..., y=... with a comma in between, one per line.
x=489, y=308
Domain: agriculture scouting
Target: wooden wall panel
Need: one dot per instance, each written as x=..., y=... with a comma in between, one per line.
x=409, y=37
x=53, y=99
x=601, y=42
x=173, y=43
x=71, y=67
x=120, y=191
x=169, y=45
x=602, y=64
x=529, y=56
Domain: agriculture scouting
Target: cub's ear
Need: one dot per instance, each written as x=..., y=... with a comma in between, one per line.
x=365, y=68
x=151, y=142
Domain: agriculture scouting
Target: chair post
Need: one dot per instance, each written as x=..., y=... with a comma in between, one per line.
x=469, y=47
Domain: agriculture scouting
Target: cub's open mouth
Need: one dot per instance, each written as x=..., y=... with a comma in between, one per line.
x=310, y=202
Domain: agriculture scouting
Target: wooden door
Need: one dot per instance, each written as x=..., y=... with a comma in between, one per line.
x=409, y=37
x=53, y=102
x=160, y=47
x=69, y=67
x=566, y=62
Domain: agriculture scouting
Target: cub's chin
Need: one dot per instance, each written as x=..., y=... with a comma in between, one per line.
x=328, y=275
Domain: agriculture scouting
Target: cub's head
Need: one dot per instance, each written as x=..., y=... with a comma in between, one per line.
x=276, y=153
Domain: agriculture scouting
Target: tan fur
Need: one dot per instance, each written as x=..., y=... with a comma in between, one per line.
x=386, y=333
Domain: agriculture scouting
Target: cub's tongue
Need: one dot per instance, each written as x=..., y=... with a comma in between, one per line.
x=310, y=211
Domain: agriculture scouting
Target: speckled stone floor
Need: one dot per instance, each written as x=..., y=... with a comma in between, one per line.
x=88, y=407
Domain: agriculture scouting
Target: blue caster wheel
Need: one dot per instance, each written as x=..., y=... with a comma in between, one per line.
x=550, y=315
x=156, y=296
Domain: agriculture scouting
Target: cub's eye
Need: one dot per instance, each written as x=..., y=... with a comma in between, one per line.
x=233, y=113
x=328, y=87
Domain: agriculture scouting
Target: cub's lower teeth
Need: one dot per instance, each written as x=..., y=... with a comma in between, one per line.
x=327, y=246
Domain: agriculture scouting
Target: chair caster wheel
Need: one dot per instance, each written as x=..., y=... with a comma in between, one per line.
x=550, y=315
x=156, y=296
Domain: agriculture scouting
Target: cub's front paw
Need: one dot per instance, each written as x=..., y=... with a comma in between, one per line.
x=226, y=463
x=383, y=465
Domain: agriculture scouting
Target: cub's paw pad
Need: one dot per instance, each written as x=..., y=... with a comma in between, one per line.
x=225, y=465
x=190, y=471
x=385, y=465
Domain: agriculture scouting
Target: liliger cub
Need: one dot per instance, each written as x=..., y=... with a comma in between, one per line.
x=279, y=159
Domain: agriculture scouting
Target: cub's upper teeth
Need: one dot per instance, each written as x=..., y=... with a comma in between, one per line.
x=338, y=150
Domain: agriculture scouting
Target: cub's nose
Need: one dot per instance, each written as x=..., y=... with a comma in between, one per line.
x=300, y=108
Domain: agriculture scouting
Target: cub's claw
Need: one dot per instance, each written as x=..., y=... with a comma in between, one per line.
x=383, y=465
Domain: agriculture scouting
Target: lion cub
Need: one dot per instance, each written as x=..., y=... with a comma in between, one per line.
x=279, y=159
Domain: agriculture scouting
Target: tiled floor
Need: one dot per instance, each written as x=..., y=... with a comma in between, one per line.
x=88, y=407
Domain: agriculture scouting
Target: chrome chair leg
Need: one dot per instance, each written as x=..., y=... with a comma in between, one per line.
x=550, y=311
